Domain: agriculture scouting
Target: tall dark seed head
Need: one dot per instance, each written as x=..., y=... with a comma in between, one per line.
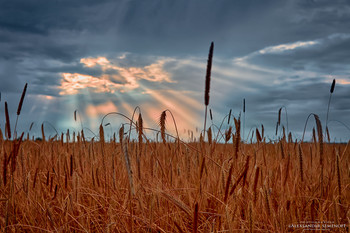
x=162, y=125
x=121, y=134
x=333, y=85
x=102, y=135
x=243, y=105
x=258, y=136
x=279, y=116
x=207, y=78
x=229, y=116
x=140, y=127
x=21, y=101
x=8, y=127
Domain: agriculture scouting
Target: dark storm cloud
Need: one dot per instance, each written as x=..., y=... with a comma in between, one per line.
x=328, y=55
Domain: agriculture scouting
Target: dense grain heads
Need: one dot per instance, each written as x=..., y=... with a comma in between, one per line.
x=208, y=74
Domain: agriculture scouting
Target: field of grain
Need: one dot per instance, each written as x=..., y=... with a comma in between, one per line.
x=217, y=183
x=60, y=186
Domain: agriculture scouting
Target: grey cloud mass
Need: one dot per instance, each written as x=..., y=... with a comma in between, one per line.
x=256, y=57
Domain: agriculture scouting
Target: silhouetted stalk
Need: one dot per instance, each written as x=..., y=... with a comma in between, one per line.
x=329, y=100
x=20, y=108
x=207, y=85
x=243, y=117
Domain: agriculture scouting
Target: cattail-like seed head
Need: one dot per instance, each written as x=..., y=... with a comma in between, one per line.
x=243, y=105
x=121, y=134
x=211, y=115
x=210, y=136
x=238, y=135
x=162, y=125
x=279, y=116
x=75, y=115
x=43, y=132
x=208, y=74
x=333, y=86
x=140, y=127
x=31, y=126
x=102, y=135
x=21, y=101
x=8, y=125
x=229, y=116
x=320, y=135
x=258, y=136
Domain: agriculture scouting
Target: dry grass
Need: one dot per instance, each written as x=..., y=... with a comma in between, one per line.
x=61, y=186
x=53, y=188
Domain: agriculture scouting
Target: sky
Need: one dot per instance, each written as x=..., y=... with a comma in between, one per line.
x=105, y=56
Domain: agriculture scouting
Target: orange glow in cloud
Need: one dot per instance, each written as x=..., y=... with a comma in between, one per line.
x=180, y=103
x=73, y=83
x=103, y=109
x=343, y=81
x=91, y=62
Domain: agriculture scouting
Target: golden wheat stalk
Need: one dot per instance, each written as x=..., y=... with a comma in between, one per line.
x=128, y=166
x=242, y=175
x=301, y=163
x=228, y=182
x=338, y=176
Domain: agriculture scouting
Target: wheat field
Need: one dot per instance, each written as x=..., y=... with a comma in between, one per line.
x=57, y=186
x=131, y=183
